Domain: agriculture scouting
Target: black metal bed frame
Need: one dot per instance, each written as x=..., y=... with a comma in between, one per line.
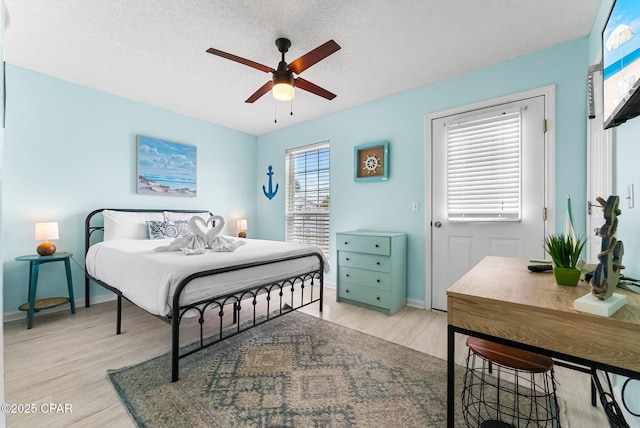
x=267, y=289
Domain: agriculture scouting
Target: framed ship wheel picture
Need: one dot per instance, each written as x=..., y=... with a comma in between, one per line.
x=371, y=161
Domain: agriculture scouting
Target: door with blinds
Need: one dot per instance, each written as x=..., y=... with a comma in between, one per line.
x=488, y=189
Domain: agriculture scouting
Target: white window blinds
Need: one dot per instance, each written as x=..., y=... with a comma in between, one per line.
x=484, y=168
x=307, y=210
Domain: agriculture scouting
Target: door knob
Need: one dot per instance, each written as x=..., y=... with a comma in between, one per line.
x=437, y=224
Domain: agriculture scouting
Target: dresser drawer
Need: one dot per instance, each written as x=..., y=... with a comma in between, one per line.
x=364, y=244
x=366, y=278
x=366, y=295
x=364, y=261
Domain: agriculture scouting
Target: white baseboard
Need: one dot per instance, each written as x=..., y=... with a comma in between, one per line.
x=419, y=304
x=331, y=285
x=18, y=315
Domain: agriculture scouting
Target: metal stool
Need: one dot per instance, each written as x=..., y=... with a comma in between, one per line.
x=522, y=393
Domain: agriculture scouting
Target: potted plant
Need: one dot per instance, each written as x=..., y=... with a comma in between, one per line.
x=564, y=253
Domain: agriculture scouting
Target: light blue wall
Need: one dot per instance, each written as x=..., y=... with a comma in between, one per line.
x=70, y=149
x=400, y=119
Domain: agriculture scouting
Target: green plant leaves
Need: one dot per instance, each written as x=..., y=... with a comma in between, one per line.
x=563, y=251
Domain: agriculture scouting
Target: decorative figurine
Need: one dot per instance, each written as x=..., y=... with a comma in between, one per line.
x=607, y=274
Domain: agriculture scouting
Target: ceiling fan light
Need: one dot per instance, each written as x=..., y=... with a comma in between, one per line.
x=283, y=91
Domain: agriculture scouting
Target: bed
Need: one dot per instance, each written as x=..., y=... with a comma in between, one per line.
x=176, y=286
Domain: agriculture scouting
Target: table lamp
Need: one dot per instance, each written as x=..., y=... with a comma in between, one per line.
x=44, y=232
x=242, y=227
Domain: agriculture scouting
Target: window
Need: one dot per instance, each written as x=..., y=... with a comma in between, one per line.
x=307, y=210
x=484, y=168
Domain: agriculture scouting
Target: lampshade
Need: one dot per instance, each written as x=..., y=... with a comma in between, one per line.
x=242, y=226
x=283, y=91
x=44, y=232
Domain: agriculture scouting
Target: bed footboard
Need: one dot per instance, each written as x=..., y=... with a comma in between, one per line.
x=280, y=297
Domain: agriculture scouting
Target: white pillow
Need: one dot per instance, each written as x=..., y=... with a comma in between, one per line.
x=173, y=215
x=128, y=225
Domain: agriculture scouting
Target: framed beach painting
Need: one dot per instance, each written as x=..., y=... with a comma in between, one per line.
x=166, y=168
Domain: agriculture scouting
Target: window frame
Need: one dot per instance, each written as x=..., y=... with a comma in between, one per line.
x=306, y=225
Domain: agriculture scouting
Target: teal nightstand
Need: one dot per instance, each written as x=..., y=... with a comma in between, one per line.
x=34, y=305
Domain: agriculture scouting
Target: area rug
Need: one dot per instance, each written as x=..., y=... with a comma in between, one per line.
x=294, y=371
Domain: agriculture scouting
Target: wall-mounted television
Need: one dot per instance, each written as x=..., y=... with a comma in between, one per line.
x=621, y=63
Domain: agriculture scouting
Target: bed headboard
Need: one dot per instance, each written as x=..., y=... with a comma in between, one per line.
x=92, y=222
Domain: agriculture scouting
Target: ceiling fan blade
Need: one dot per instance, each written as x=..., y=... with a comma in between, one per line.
x=244, y=61
x=318, y=54
x=313, y=88
x=260, y=92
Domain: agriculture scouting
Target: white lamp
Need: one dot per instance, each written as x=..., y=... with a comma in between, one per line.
x=283, y=83
x=283, y=91
x=44, y=232
x=242, y=227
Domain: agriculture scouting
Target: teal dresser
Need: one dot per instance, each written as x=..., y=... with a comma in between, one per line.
x=372, y=270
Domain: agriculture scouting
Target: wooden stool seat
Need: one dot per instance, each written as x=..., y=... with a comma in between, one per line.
x=510, y=357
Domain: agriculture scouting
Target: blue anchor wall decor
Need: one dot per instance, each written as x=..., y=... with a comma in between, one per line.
x=271, y=193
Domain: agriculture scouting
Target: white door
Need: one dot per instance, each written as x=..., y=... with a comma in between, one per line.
x=600, y=164
x=459, y=241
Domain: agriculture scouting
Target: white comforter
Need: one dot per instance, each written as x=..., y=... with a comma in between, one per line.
x=149, y=278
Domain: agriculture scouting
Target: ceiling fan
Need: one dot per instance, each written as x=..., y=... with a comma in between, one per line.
x=283, y=81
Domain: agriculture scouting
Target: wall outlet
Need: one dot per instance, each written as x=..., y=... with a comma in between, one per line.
x=630, y=197
x=415, y=207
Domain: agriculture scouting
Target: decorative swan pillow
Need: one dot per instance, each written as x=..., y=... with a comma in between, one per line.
x=168, y=229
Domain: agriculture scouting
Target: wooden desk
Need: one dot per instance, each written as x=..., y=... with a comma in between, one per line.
x=500, y=300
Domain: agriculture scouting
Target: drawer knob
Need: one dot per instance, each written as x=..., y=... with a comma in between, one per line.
x=378, y=263
x=346, y=291
x=347, y=259
x=347, y=275
x=377, y=298
x=346, y=243
x=378, y=281
x=377, y=246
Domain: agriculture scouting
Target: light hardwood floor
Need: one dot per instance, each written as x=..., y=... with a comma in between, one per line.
x=64, y=359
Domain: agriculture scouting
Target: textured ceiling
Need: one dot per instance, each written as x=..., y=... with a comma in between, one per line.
x=153, y=51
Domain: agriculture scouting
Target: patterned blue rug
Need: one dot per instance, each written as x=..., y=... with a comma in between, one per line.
x=294, y=371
